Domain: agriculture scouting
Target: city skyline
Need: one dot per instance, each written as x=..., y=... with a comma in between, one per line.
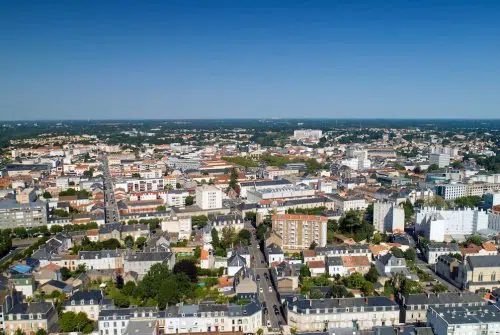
x=187, y=60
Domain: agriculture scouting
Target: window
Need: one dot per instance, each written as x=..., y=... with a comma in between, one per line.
x=493, y=276
x=480, y=277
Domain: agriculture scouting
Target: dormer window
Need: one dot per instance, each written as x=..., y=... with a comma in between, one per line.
x=39, y=316
x=31, y=316
x=82, y=302
x=91, y=301
x=72, y=303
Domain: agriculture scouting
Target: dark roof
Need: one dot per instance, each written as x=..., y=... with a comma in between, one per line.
x=443, y=298
x=320, y=304
x=94, y=295
x=57, y=284
x=160, y=256
x=484, y=261
x=31, y=308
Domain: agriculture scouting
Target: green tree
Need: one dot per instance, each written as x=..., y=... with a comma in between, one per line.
x=56, y=229
x=350, y=222
x=41, y=331
x=188, y=267
x=410, y=254
x=436, y=201
x=75, y=322
x=313, y=245
x=121, y=300
x=140, y=242
x=409, y=210
x=65, y=273
x=354, y=281
x=161, y=208
x=372, y=275
x=129, y=241
x=473, y=239
x=411, y=287
x=47, y=195
x=215, y=238
x=432, y=167
x=304, y=272
x=189, y=200
x=468, y=201
x=19, y=331
x=178, y=185
x=228, y=236
x=245, y=236
x=396, y=252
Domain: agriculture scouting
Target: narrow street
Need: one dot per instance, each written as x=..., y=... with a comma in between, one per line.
x=111, y=213
x=267, y=293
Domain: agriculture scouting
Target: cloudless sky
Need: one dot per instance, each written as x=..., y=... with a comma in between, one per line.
x=249, y=59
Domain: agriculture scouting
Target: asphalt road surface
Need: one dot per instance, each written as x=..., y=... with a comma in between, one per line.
x=111, y=213
x=267, y=293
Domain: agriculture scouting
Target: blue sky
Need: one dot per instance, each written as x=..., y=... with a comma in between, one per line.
x=241, y=59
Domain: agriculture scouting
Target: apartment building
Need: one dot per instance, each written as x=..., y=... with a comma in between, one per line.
x=26, y=196
x=442, y=224
x=302, y=134
x=177, y=198
x=141, y=184
x=208, y=197
x=415, y=306
x=345, y=204
x=178, y=224
x=312, y=315
x=388, y=217
x=27, y=215
x=440, y=159
x=299, y=231
x=471, y=320
x=451, y=191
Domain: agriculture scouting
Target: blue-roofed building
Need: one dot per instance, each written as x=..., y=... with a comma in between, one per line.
x=21, y=269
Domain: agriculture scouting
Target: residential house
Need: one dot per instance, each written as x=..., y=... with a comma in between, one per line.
x=317, y=268
x=100, y=260
x=141, y=262
x=29, y=317
x=274, y=254
x=435, y=249
x=235, y=263
x=285, y=277
x=89, y=302
x=390, y=265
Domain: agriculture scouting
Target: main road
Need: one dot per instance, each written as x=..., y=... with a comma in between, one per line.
x=111, y=213
x=267, y=292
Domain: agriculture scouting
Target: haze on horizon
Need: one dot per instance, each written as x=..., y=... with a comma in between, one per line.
x=249, y=59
